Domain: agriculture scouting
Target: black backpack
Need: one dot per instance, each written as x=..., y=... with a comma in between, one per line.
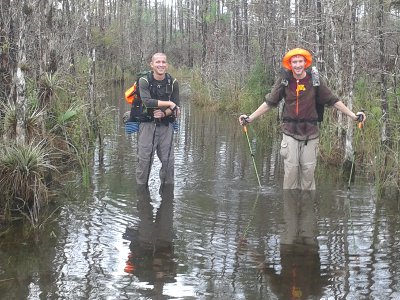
x=139, y=111
x=313, y=71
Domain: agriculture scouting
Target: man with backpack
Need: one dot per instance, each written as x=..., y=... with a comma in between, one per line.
x=299, y=118
x=159, y=93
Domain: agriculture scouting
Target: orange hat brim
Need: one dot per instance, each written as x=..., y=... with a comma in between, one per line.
x=297, y=51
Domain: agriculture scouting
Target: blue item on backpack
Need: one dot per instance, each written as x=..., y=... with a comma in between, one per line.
x=175, y=124
x=131, y=127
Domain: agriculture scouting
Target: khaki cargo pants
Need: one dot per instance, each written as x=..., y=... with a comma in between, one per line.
x=300, y=160
x=155, y=139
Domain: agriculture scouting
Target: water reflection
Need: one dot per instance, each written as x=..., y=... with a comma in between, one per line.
x=151, y=256
x=299, y=274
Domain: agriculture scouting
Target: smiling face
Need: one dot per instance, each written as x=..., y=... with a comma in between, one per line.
x=298, y=63
x=159, y=65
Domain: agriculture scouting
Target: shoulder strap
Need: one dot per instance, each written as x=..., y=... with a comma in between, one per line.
x=146, y=78
x=316, y=83
x=149, y=77
x=169, y=78
x=285, y=75
x=170, y=82
x=144, y=75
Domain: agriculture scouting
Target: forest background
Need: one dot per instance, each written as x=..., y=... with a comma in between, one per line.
x=58, y=58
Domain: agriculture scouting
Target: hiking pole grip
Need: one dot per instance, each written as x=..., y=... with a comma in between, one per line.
x=245, y=120
x=360, y=119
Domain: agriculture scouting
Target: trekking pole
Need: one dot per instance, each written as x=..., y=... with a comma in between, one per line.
x=169, y=150
x=242, y=239
x=151, y=154
x=360, y=126
x=168, y=159
x=251, y=150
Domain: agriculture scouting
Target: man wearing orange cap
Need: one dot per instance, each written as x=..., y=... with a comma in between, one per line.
x=299, y=118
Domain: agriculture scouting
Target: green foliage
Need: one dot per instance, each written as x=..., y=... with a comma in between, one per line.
x=23, y=168
x=67, y=116
x=200, y=92
x=34, y=120
x=377, y=160
x=255, y=88
x=32, y=93
x=212, y=13
x=253, y=95
x=73, y=126
x=107, y=38
x=47, y=89
x=228, y=93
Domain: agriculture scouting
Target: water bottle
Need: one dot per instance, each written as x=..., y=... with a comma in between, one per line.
x=131, y=127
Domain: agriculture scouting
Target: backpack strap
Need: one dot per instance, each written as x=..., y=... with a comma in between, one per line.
x=149, y=78
x=285, y=76
x=316, y=83
x=170, y=85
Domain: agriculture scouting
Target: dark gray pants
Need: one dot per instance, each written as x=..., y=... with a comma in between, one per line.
x=155, y=139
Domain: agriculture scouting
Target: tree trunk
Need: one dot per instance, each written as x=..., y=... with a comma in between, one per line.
x=349, y=151
x=203, y=14
x=163, y=27
x=319, y=38
x=156, y=25
x=385, y=135
x=246, y=35
x=5, y=59
x=190, y=33
x=336, y=64
x=21, y=102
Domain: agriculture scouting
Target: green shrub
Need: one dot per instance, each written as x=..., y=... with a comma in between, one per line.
x=23, y=169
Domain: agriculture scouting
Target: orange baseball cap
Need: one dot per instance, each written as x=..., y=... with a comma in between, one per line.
x=297, y=51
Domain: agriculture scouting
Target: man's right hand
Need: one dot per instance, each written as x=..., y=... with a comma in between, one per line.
x=158, y=114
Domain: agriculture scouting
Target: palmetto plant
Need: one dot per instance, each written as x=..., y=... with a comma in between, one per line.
x=23, y=168
x=33, y=121
x=47, y=89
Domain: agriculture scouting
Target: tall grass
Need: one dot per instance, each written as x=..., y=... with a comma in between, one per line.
x=23, y=171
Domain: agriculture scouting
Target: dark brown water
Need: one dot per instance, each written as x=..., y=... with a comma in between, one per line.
x=215, y=236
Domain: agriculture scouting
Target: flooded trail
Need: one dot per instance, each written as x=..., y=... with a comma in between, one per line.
x=216, y=235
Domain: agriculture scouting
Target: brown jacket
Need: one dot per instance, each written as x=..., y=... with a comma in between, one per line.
x=299, y=119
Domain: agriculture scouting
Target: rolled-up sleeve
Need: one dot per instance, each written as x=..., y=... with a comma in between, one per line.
x=275, y=96
x=326, y=96
x=145, y=94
